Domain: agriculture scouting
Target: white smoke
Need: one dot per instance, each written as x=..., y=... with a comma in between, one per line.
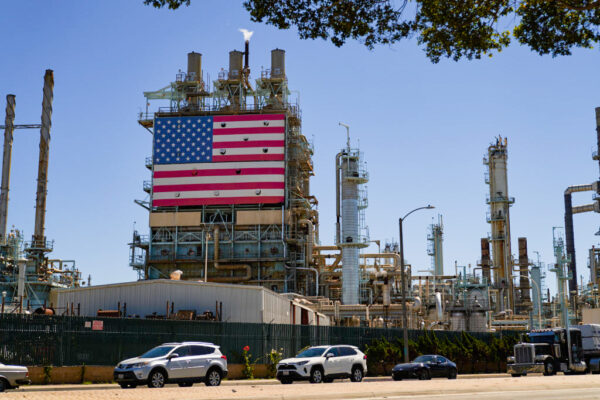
x=247, y=34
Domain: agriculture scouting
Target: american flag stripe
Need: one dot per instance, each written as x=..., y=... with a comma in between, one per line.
x=249, y=117
x=216, y=179
x=231, y=159
x=199, y=194
x=249, y=138
x=219, y=186
x=217, y=201
x=250, y=157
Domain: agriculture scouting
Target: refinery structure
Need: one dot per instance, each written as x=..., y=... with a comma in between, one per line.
x=230, y=206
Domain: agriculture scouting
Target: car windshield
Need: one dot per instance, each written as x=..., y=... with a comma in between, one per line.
x=312, y=352
x=423, y=359
x=159, y=351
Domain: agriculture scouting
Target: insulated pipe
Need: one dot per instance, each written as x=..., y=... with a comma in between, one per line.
x=438, y=305
x=6, y=162
x=337, y=198
x=227, y=267
x=42, y=181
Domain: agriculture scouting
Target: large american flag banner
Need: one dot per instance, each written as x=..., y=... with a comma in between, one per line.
x=225, y=159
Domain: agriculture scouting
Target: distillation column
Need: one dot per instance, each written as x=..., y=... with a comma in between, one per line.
x=499, y=219
x=524, y=285
x=435, y=249
x=350, y=177
x=6, y=162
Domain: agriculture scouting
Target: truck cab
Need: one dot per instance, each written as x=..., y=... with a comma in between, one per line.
x=546, y=351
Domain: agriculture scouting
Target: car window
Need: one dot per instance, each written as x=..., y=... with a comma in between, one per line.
x=347, y=351
x=183, y=351
x=202, y=350
x=441, y=359
x=311, y=352
x=424, y=359
x=159, y=351
x=334, y=350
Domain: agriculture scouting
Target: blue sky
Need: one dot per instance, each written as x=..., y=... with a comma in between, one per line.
x=423, y=127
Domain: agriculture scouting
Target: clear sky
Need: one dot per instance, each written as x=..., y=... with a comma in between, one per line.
x=423, y=127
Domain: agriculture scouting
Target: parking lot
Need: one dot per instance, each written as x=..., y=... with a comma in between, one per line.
x=465, y=387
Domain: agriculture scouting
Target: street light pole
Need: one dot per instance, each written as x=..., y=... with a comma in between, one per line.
x=403, y=279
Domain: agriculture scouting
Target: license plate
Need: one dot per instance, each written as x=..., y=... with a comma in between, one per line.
x=120, y=376
x=286, y=372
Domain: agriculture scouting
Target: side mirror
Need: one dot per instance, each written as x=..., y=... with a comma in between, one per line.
x=328, y=355
x=172, y=356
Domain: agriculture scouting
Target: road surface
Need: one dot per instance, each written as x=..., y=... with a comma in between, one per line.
x=581, y=387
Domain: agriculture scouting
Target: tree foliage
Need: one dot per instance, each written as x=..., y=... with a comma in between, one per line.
x=463, y=348
x=453, y=29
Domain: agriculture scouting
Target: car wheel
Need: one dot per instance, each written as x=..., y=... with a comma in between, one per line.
x=357, y=374
x=452, y=374
x=157, y=379
x=423, y=375
x=316, y=375
x=185, y=384
x=3, y=385
x=213, y=377
x=549, y=368
x=286, y=381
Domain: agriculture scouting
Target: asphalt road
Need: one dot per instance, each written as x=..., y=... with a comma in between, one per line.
x=495, y=387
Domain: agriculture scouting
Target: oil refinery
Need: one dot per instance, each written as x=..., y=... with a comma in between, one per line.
x=229, y=203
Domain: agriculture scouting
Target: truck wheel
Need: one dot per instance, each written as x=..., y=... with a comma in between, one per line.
x=549, y=368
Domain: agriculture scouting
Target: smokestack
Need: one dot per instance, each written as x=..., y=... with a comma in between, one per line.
x=246, y=54
x=42, y=181
x=6, y=161
x=277, y=63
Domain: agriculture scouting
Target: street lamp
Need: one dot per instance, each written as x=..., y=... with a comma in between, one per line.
x=403, y=275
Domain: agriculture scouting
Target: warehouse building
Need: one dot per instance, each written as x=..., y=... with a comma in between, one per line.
x=163, y=298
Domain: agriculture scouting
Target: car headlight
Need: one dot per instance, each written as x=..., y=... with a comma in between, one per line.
x=301, y=363
x=138, y=365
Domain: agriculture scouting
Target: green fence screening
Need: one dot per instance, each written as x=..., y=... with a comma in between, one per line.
x=65, y=340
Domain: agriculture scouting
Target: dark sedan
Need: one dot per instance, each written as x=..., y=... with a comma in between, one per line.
x=425, y=367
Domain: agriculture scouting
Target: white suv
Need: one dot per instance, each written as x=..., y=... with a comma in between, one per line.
x=324, y=364
x=183, y=363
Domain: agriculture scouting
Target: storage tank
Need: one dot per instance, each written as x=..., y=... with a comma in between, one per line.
x=194, y=69
x=478, y=321
x=458, y=321
x=236, y=59
x=277, y=63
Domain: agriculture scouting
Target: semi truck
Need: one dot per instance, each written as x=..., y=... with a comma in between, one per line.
x=549, y=351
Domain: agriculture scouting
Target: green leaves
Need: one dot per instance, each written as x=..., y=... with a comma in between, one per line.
x=454, y=29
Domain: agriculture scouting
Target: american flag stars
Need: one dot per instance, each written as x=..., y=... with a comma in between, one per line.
x=187, y=141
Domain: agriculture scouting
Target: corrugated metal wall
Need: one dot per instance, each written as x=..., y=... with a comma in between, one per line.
x=240, y=303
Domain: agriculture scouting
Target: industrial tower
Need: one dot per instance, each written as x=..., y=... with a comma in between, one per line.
x=235, y=205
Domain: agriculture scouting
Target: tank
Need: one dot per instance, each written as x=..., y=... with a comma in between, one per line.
x=277, y=63
x=478, y=321
x=236, y=58
x=194, y=69
x=458, y=321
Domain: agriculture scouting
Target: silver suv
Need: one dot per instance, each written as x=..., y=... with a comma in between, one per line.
x=182, y=363
x=324, y=364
